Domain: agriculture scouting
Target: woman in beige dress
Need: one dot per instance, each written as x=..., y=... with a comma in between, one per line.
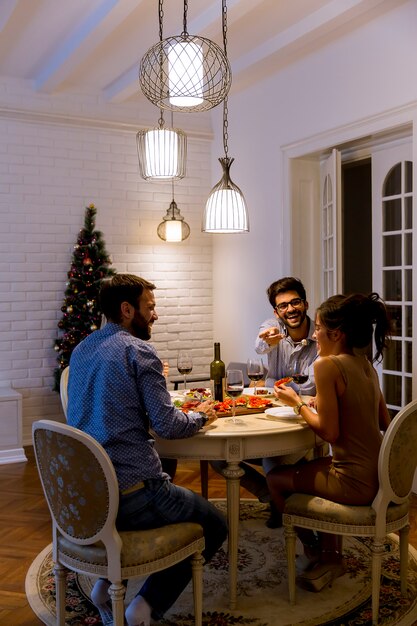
x=350, y=413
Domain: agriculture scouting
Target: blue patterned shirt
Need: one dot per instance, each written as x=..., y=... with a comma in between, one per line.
x=282, y=356
x=116, y=392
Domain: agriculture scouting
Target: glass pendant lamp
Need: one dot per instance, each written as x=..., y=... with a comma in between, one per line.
x=173, y=227
x=185, y=74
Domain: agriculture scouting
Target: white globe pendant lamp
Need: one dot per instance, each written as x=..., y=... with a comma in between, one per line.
x=184, y=72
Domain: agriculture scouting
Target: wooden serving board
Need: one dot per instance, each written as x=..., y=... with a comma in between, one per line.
x=245, y=411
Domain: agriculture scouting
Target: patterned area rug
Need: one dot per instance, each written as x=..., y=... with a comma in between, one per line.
x=262, y=586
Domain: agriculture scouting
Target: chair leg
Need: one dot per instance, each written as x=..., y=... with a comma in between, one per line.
x=204, y=478
x=290, y=538
x=117, y=595
x=197, y=571
x=377, y=552
x=60, y=574
x=404, y=532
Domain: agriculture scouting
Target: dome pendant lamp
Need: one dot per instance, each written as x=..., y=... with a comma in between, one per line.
x=226, y=210
x=185, y=72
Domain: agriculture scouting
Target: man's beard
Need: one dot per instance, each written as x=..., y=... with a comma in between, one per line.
x=140, y=328
x=295, y=322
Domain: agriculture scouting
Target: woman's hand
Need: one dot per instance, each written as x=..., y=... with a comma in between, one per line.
x=287, y=395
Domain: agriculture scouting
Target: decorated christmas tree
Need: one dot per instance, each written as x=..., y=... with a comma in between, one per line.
x=90, y=264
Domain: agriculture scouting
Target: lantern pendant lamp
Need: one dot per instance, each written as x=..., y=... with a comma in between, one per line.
x=173, y=228
x=162, y=152
x=185, y=72
x=226, y=210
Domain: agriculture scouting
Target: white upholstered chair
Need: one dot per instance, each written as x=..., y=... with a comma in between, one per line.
x=63, y=389
x=81, y=490
x=388, y=512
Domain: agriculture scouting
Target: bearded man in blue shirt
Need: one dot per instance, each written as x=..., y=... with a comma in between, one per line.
x=116, y=393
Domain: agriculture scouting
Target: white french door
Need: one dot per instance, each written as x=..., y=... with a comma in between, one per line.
x=392, y=203
x=330, y=206
x=392, y=244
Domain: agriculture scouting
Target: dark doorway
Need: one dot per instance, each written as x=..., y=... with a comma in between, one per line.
x=357, y=226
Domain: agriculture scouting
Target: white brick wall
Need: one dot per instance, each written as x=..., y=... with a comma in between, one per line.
x=49, y=173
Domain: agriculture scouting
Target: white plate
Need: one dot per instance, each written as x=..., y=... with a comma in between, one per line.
x=248, y=391
x=183, y=393
x=282, y=412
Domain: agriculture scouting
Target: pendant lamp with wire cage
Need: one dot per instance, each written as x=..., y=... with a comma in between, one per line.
x=185, y=72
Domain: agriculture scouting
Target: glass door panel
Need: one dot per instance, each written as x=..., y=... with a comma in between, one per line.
x=330, y=173
x=393, y=275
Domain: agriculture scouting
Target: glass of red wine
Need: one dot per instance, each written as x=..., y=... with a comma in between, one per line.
x=234, y=388
x=184, y=364
x=299, y=374
x=255, y=371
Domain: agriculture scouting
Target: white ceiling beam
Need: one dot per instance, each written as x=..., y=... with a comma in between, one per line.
x=82, y=41
x=6, y=9
x=311, y=27
x=212, y=16
x=124, y=86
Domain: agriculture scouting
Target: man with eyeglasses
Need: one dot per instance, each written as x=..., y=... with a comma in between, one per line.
x=288, y=341
x=288, y=338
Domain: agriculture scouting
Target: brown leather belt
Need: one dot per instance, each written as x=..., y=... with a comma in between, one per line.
x=139, y=485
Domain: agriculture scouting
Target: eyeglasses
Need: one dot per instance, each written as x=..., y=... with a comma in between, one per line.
x=283, y=306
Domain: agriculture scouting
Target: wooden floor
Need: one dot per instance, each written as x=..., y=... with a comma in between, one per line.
x=25, y=529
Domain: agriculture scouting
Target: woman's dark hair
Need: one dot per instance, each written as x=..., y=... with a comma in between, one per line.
x=121, y=288
x=359, y=317
x=285, y=284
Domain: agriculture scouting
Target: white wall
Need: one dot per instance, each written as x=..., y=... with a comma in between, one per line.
x=50, y=171
x=363, y=75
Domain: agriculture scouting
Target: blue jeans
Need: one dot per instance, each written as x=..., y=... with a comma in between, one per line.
x=160, y=503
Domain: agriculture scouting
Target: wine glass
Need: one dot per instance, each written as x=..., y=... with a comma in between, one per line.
x=255, y=371
x=299, y=373
x=234, y=388
x=184, y=364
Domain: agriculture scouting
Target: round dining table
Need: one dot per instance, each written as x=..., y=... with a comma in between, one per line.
x=252, y=436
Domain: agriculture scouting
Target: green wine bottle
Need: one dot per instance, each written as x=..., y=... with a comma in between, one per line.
x=217, y=373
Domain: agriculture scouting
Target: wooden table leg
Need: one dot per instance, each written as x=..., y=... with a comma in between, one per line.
x=233, y=473
x=204, y=478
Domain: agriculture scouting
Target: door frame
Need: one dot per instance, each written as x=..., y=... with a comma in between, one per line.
x=354, y=141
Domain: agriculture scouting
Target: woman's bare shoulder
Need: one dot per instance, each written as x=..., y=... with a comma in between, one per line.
x=324, y=363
